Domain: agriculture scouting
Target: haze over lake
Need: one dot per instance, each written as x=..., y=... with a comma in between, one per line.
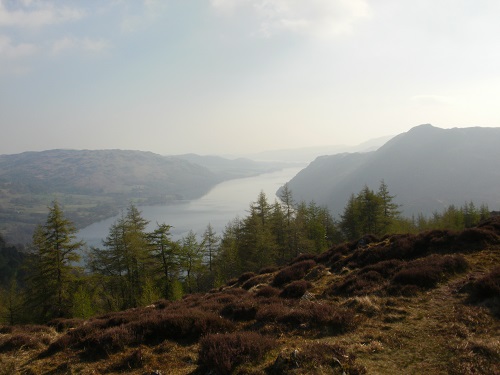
x=223, y=203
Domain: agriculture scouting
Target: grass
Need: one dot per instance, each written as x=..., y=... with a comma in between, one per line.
x=317, y=358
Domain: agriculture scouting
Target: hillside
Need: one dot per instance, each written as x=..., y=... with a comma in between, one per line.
x=308, y=154
x=235, y=168
x=412, y=304
x=427, y=168
x=91, y=185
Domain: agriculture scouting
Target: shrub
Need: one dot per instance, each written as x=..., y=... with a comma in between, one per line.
x=35, y=328
x=20, y=341
x=240, y=311
x=250, y=283
x=188, y=325
x=294, y=272
x=358, y=284
x=269, y=269
x=246, y=276
x=150, y=326
x=477, y=237
x=228, y=295
x=232, y=282
x=302, y=257
x=224, y=352
x=424, y=276
x=428, y=271
x=116, y=319
x=308, y=314
x=267, y=291
x=295, y=289
x=487, y=286
x=61, y=343
x=492, y=224
x=272, y=311
x=385, y=268
x=101, y=343
x=62, y=324
x=332, y=256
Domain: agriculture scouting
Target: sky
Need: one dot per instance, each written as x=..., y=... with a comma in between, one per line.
x=241, y=76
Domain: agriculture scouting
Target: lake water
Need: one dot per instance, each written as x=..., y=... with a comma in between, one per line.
x=223, y=203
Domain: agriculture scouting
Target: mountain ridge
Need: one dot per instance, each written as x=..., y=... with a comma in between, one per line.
x=427, y=168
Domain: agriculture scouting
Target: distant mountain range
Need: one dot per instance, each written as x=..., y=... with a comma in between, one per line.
x=308, y=154
x=427, y=168
x=235, y=168
x=104, y=172
x=95, y=184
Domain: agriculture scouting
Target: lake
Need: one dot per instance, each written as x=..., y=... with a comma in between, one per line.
x=218, y=207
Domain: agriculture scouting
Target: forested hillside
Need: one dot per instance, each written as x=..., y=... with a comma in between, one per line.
x=413, y=304
x=427, y=169
x=60, y=277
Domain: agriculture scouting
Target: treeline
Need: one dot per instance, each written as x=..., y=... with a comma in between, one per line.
x=375, y=212
x=136, y=267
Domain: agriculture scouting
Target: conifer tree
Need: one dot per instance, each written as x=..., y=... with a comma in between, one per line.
x=228, y=264
x=257, y=248
x=349, y=223
x=370, y=211
x=126, y=259
x=211, y=243
x=53, y=266
x=390, y=210
x=11, y=303
x=288, y=214
x=280, y=231
x=166, y=255
x=191, y=255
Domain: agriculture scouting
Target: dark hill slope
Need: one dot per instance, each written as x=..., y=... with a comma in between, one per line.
x=91, y=185
x=104, y=172
x=412, y=304
x=428, y=168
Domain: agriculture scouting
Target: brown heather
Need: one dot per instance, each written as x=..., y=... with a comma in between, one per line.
x=401, y=304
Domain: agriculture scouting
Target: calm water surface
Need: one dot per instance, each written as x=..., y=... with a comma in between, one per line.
x=223, y=203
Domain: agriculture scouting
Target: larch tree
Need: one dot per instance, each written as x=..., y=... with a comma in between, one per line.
x=126, y=259
x=390, y=210
x=349, y=223
x=191, y=255
x=166, y=255
x=211, y=243
x=228, y=264
x=53, y=266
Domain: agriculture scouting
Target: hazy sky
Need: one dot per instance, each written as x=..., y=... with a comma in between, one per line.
x=236, y=76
